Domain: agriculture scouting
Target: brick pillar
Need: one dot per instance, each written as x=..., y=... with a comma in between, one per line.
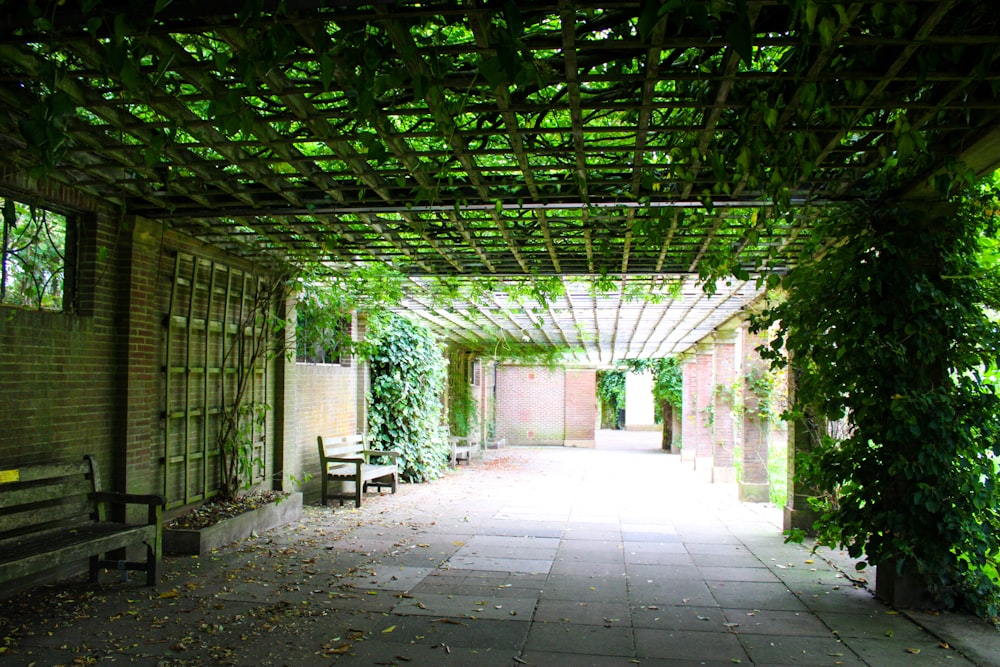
x=287, y=458
x=803, y=433
x=723, y=395
x=675, y=430
x=581, y=407
x=704, y=457
x=689, y=409
x=359, y=330
x=753, y=482
x=138, y=455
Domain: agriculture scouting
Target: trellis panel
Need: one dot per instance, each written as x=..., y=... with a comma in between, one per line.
x=210, y=304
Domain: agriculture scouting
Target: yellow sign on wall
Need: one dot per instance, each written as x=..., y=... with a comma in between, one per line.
x=8, y=476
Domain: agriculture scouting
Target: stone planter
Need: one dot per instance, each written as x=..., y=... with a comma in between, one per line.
x=904, y=590
x=202, y=540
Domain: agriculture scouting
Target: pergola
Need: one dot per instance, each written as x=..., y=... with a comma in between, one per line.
x=639, y=147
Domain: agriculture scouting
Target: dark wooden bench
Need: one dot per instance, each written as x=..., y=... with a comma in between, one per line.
x=346, y=459
x=58, y=514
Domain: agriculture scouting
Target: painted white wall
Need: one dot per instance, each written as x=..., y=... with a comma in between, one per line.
x=639, y=400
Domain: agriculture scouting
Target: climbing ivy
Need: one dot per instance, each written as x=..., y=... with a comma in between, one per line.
x=890, y=329
x=404, y=403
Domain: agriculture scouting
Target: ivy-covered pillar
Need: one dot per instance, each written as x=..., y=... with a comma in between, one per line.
x=889, y=329
x=705, y=362
x=804, y=436
x=723, y=396
x=689, y=406
x=758, y=406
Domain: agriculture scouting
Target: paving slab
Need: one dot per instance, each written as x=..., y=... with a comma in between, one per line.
x=508, y=561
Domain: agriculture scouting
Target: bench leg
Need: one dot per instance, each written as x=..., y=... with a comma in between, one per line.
x=359, y=488
x=324, y=486
x=95, y=568
x=152, y=565
x=394, y=482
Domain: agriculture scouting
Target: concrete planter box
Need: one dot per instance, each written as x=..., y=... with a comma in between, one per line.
x=202, y=540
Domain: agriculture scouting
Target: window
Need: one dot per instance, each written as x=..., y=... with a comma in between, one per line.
x=34, y=249
x=321, y=338
x=475, y=372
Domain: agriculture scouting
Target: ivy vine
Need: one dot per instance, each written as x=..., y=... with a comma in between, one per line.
x=404, y=403
x=890, y=329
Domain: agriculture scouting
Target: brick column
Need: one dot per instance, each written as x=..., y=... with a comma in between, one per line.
x=753, y=482
x=143, y=444
x=704, y=457
x=581, y=407
x=287, y=458
x=689, y=409
x=802, y=435
x=723, y=395
x=359, y=330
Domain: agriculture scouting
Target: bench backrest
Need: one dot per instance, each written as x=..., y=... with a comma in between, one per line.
x=342, y=446
x=38, y=497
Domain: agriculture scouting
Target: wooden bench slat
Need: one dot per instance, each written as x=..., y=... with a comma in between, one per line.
x=32, y=473
x=77, y=509
x=17, y=495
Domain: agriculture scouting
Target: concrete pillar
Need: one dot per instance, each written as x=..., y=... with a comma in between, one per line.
x=755, y=440
x=704, y=457
x=689, y=410
x=723, y=397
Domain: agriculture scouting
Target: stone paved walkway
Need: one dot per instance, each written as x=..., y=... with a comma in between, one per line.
x=530, y=556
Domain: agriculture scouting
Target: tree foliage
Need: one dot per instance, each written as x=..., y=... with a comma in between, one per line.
x=32, y=256
x=404, y=404
x=889, y=329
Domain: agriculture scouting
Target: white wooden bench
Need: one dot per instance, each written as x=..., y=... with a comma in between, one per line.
x=462, y=448
x=346, y=459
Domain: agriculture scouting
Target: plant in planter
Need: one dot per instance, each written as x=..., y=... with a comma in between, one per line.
x=244, y=417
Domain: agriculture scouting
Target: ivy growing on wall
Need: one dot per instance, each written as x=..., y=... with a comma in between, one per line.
x=404, y=404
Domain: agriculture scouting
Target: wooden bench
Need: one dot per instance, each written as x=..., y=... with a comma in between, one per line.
x=345, y=459
x=58, y=514
x=462, y=447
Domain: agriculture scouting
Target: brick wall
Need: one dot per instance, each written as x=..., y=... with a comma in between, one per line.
x=91, y=381
x=530, y=405
x=324, y=404
x=62, y=373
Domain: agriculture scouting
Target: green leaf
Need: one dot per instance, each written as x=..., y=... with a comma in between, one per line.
x=740, y=35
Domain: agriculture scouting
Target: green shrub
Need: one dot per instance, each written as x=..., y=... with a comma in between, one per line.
x=404, y=404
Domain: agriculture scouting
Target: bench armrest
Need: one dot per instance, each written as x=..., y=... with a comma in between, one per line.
x=132, y=498
x=154, y=501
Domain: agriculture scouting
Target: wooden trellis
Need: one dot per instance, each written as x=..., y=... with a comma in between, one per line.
x=210, y=304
